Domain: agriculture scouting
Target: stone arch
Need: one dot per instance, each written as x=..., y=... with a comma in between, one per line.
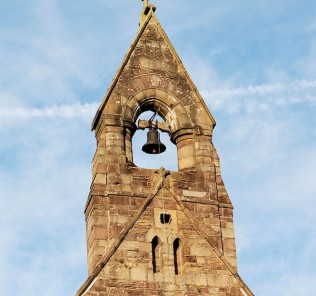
x=156, y=254
x=152, y=232
x=171, y=243
x=177, y=255
x=169, y=108
x=173, y=112
x=156, y=238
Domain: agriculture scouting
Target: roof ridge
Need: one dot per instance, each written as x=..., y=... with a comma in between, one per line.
x=122, y=66
x=150, y=15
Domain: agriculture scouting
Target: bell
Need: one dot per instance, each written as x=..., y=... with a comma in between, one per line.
x=153, y=145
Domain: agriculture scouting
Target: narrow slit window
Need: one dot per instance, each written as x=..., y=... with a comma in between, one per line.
x=156, y=256
x=176, y=255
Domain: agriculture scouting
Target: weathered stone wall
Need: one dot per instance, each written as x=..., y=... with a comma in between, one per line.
x=130, y=269
x=153, y=78
x=124, y=189
x=119, y=188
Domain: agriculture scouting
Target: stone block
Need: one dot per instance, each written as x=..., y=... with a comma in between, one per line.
x=100, y=178
x=217, y=280
x=138, y=274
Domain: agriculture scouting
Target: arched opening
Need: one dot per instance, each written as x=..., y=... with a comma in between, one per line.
x=156, y=254
x=167, y=159
x=177, y=256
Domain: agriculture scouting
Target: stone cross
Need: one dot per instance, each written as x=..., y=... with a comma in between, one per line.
x=145, y=3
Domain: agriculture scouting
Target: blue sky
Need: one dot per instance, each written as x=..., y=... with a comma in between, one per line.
x=254, y=63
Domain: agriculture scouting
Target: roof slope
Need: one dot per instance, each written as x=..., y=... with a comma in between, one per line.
x=139, y=218
x=151, y=56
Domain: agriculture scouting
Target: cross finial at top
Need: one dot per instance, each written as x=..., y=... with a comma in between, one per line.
x=147, y=8
x=145, y=3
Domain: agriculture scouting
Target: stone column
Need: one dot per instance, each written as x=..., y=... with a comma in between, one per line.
x=129, y=131
x=184, y=140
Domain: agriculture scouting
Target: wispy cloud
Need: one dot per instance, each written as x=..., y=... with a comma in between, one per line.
x=51, y=179
x=261, y=97
x=84, y=111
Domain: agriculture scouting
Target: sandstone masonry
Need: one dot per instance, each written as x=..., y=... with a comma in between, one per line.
x=157, y=232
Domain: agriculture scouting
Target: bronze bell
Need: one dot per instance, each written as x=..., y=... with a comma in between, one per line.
x=153, y=145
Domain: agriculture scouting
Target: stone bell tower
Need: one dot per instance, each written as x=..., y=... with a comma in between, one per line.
x=157, y=232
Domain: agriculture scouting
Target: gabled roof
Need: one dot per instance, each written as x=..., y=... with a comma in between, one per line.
x=150, y=16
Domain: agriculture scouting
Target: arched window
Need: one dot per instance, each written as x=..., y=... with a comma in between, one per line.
x=156, y=254
x=177, y=256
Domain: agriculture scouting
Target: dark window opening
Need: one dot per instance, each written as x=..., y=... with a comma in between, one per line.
x=176, y=255
x=165, y=218
x=155, y=249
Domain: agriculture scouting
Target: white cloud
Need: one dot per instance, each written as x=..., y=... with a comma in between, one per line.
x=261, y=97
x=292, y=284
x=84, y=111
x=43, y=193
